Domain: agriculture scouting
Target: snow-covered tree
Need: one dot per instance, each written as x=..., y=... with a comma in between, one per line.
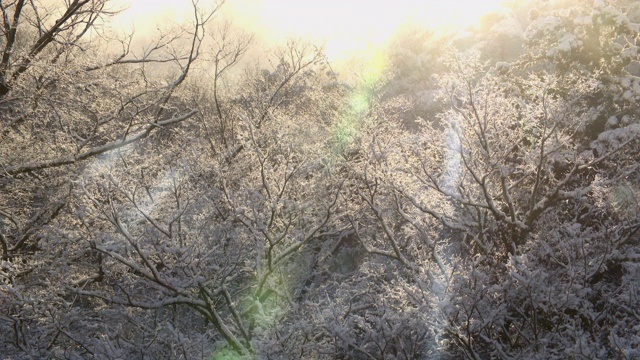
x=276, y=212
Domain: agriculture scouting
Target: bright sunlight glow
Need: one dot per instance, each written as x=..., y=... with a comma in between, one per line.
x=346, y=25
x=349, y=27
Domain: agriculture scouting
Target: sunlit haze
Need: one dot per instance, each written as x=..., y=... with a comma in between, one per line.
x=351, y=26
x=346, y=27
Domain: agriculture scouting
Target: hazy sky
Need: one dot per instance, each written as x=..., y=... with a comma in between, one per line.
x=346, y=26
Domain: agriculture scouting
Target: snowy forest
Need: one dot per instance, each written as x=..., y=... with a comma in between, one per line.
x=477, y=197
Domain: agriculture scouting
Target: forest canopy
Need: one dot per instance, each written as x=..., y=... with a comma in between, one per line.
x=460, y=192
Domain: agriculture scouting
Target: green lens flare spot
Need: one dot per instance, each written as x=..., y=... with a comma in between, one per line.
x=229, y=354
x=360, y=102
